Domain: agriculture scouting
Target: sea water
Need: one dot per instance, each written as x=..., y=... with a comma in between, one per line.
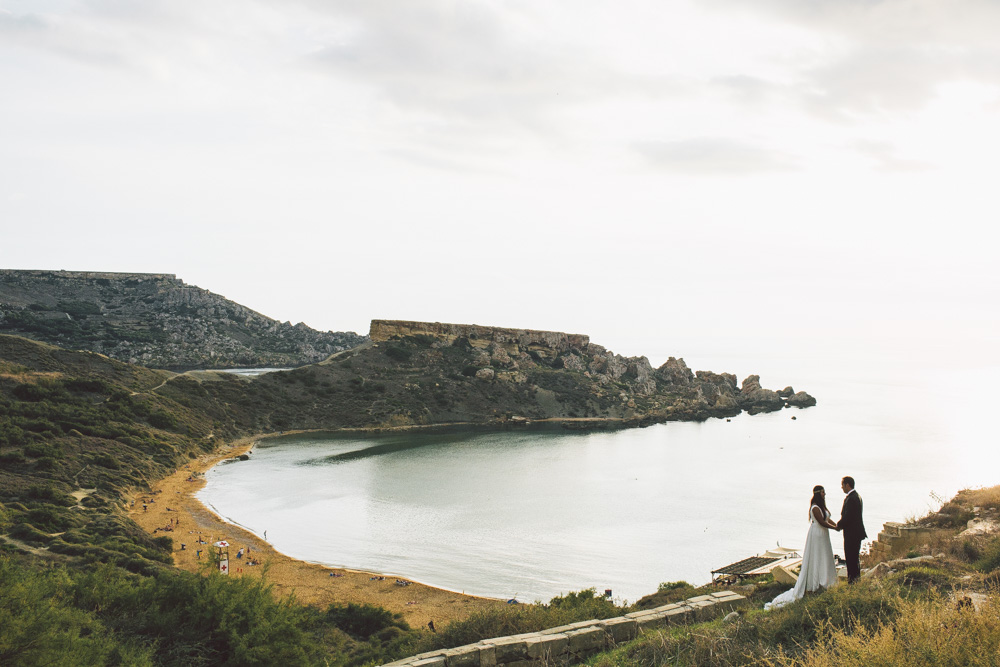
x=530, y=515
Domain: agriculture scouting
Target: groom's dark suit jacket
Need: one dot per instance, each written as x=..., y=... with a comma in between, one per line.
x=850, y=519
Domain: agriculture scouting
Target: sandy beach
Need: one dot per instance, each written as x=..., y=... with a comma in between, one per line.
x=172, y=505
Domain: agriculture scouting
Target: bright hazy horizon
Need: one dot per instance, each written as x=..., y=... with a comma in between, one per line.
x=734, y=176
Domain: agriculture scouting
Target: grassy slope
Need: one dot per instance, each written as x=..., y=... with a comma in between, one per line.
x=77, y=420
x=81, y=584
x=910, y=616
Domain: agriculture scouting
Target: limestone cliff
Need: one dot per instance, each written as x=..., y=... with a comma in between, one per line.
x=513, y=340
x=421, y=373
x=155, y=320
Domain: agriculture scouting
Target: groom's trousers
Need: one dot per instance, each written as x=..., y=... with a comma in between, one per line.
x=852, y=554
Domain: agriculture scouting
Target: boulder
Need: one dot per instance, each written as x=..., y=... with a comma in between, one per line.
x=726, y=402
x=499, y=356
x=760, y=400
x=801, y=400
x=726, y=382
x=485, y=374
x=639, y=374
x=610, y=364
x=708, y=391
x=573, y=362
x=674, y=372
x=786, y=392
x=750, y=384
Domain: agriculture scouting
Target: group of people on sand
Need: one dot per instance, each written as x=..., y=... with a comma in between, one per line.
x=819, y=571
x=250, y=560
x=174, y=523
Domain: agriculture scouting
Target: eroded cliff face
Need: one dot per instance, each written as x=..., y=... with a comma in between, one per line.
x=512, y=340
x=431, y=372
x=155, y=320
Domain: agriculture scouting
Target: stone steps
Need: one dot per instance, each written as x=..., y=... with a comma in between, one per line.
x=896, y=538
x=573, y=643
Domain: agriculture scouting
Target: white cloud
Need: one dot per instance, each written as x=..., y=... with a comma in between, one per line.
x=886, y=56
x=712, y=155
x=885, y=157
x=374, y=150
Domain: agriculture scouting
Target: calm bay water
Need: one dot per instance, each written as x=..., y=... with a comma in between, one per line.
x=536, y=514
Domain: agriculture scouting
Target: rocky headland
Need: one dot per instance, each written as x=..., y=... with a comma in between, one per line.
x=430, y=373
x=154, y=320
x=83, y=434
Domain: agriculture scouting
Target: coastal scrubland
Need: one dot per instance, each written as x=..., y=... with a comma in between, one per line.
x=82, y=583
x=935, y=604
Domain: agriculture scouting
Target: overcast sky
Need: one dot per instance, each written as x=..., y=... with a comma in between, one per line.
x=650, y=173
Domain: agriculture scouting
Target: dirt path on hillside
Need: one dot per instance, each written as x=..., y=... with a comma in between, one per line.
x=173, y=505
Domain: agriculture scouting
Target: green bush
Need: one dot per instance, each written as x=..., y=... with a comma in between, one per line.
x=30, y=392
x=39, y=450
x=48, y=494
x=87, y=385
x=105, y=460
x=162, y=419
x=195, y=620
x=361, y=621
x=989, y=561
x=28, y=533
x=673, y=585
x=46, y=463
x=951, y=515
x=39, y=625
x=68, y=548
x=970, y=551
x=398, y=352
x=844, y=607
x=920, y=576
x=15, y=457
x=11, y=435
x=50, y=518
x=512, y=619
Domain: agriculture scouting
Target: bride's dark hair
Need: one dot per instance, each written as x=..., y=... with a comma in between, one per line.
x=818, y=499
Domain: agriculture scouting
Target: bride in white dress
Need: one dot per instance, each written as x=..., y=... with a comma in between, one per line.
x=818, y=569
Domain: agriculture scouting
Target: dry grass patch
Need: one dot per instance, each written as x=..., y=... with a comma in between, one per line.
x=926, y=633
x=988, y=498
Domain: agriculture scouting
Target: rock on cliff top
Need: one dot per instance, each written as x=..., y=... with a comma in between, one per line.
x=155, y=320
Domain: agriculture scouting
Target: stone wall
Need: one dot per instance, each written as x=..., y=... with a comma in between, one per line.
x=896, y=539
x=480, y=336
x=574, y=643
x=88, y=275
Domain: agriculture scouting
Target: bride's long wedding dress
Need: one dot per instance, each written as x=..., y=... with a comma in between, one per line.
x=818, y=569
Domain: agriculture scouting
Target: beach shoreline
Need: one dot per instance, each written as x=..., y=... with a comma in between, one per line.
x=172, y=510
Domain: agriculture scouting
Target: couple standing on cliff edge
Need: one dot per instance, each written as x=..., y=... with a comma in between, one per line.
x=818, y=569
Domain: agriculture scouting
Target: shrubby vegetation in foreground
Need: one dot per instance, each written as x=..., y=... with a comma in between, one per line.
x=106, y=615
x=81, y=584
x=916, y=611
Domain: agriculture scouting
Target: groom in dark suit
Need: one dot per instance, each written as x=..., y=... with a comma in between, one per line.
x=853, y=527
